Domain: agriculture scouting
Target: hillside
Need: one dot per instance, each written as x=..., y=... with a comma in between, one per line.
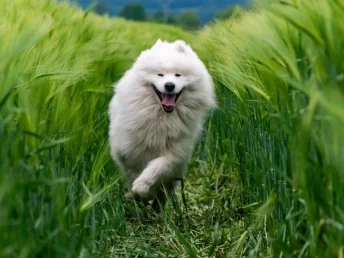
x=206, y=9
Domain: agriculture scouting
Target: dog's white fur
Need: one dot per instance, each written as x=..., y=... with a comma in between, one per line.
x=153, y=147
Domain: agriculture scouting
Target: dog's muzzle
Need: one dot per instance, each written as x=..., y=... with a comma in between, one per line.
x=167, y=101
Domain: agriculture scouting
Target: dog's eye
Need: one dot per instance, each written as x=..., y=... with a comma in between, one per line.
x=160, y=74
x=177, y=75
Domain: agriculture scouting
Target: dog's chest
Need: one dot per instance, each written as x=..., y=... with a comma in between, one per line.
x=149, y=133
x=158, y=131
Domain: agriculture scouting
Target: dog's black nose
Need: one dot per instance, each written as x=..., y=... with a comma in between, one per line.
x=169, y=86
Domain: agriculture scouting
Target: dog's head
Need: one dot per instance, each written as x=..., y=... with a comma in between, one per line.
x=176, y=76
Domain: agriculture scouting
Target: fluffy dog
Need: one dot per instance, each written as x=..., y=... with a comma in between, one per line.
x=156, y=116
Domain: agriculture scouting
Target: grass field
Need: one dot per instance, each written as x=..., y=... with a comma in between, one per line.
x=266, y=179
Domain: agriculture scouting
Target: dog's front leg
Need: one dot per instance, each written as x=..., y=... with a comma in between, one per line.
x=156, y=169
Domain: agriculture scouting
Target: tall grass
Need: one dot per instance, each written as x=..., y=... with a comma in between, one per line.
x=280, y=79
x=266, y=178
x=60, y=194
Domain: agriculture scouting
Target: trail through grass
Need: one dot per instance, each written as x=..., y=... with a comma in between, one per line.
x=266, y=178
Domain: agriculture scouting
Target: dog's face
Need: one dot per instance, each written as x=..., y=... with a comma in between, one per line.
x=174, y=74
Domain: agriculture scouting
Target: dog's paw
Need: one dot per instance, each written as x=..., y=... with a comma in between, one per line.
x=141, y=188
x=129, y=196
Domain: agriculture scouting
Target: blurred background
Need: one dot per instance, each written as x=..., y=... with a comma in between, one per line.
x=189, y=15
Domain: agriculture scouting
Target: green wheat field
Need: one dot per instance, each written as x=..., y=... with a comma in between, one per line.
x=266, y=179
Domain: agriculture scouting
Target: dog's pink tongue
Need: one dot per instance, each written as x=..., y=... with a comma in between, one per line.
x=169, y=100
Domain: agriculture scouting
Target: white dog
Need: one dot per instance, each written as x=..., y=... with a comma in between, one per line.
x=156, y=116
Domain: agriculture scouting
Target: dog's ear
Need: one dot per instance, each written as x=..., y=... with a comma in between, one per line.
x=158, y=42
x=181, y=46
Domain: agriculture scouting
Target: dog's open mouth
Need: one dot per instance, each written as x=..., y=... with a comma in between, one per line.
x=168, y=101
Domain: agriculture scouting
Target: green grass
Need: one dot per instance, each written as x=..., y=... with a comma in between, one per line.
x=266, y=179
x=280, y=81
